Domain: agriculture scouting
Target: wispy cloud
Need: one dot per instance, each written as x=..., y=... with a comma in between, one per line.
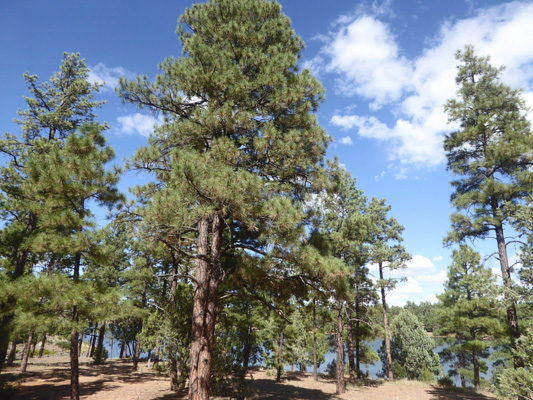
x=368, y=62
x=346, y=140
x=108, y=76
x=137, y=124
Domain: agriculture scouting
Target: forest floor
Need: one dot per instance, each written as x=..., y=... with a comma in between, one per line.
x=48, y=378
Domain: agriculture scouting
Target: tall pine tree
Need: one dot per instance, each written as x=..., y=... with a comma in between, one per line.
x=491, y=155
x=238, y=147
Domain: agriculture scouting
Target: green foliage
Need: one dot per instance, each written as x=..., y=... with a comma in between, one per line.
x=100, y=355
x=426, y=376
x=470, y=312
x=411, y=347
x=511, y=383
x=445, y=381
x=64, y=344
x=491, y=150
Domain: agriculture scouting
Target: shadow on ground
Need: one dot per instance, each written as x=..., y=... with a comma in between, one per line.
x=264, y=389
x=438, y=393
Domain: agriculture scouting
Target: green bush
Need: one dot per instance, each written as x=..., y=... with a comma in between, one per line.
x=445, y=382
x=100, y=355
x=63, y=344
x=426, y=376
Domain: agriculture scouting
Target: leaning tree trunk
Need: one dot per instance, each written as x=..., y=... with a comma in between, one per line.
x=512, y=318
x=339, y=381
x=204, y=307
x=12, y=353
x=92, y=344
x=26, y=353
x=386, y=325
x=349, y=334
x=43, y=341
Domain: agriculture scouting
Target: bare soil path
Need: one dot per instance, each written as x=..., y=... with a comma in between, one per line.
x=48, y=378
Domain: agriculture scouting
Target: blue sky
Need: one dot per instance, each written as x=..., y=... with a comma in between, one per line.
x=387, y=66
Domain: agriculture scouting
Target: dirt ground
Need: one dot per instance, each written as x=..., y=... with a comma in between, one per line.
x=48, y=378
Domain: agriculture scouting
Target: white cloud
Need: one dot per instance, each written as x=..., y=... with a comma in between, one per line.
x=437, y=258
x=404, y=292
x=347, y=140
x=366, y=57
x=369, y=63
x=419, y=265
x=441, y=277
x=108, y=76
x=137, y=123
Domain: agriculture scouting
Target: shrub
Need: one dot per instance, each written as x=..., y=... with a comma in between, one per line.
x=426, y=376
x=445, y=382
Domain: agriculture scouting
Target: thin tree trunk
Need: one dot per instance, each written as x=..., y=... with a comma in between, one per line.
x=512, y=318
x=26, y=353
x=33, y=345
x=204, y=307
x=357, y=342
x=279, y=369
x=12, y=353
x=137, y=352
x=339, y=381
x=349, y=334
x=156, y=351
x=315, y=355
x=172, y=356
x=43, y=341
x=74, y=345
x=92, y=345
x=386, y=325
x=122, y=347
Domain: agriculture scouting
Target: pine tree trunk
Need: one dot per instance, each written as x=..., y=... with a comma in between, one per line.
x=512, y=318
x=26, y=353
x=172, y=356
x=279, y=369
x=74, y=345
x=339, y=381
x=156, y=351
x=92, y=345
x=136, y=353
x=357, y=342
x=204, y=307
x=33, y=345
x=100, y=343
x=12, y=353
x=349, y=335
x=315, y=355
x=122, y=347
x=43, y=341
x=386, y=325
x=80, y=344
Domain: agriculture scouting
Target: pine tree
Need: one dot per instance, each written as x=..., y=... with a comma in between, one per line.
x=55, y=109
x=491, y=155
x=411, y=347
x=387, y=252
x=469, y=308
x=238, y=146
x=342, y=227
